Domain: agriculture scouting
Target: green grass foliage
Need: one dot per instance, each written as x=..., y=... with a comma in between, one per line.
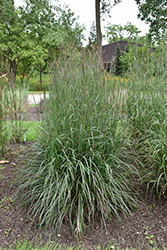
x=12, y=101
x=31, y=127
x=99, y=140
x=78, y=168
x=147, y=117
x=32, y=130
x=27, y=245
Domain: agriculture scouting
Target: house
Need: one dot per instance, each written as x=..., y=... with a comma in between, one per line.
x=109, y=51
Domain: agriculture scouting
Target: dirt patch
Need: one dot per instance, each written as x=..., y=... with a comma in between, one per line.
x=149, y=221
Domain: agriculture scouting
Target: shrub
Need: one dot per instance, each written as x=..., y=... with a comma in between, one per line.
x=34, y=82
x=118, y=64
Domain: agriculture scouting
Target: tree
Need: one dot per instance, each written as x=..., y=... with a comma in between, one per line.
x=9, y=29
x=102, y=7
x=116, y=32
x=16, y=41
x=98, y=25
x=140, y=59
x=154, y=12
x=118, y=62
x=31, y=35
x=125, y=60
x=69, y=25
x=92, y=36
x=38, y=17
x=131, y=31
x=49, y=28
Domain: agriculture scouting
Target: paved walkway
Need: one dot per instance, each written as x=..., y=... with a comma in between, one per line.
x=36, y=98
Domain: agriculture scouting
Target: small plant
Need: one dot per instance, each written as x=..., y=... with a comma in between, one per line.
x=5, y=203
x=7, y=231
x=149, y=238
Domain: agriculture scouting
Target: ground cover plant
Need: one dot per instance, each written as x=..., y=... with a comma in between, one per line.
x=78, y=167
x=29, y=246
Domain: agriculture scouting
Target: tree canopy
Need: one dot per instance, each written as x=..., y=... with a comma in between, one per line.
x=92, y=35
x=31, y=33
x=154, y=12
x=116, y=32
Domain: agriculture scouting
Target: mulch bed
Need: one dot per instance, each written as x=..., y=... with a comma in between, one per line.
x=14, y=223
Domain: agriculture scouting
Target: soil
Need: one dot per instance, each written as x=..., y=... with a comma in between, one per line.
x=148, y=223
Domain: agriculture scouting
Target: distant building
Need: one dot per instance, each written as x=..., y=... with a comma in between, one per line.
x=109, y=51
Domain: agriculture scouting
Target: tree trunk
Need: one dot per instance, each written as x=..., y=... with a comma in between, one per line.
x=41, y=81
x=12, y=73
x=40, y=74
x=98, y=26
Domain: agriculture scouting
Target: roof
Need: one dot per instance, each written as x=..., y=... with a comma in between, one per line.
x=109, y=50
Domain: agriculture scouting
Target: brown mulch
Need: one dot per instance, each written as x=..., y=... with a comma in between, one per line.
x=14, y=223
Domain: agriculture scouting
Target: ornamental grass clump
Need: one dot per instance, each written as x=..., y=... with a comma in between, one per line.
x=76, y=170
x=3, y=135
x=147, y=115
x=12, y=102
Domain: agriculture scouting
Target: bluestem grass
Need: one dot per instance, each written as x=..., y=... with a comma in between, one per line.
x=147, y=109
x=2, y=127
x=12, y=101
x=76, y=170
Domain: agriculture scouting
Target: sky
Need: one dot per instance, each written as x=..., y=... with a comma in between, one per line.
x=124, y=12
